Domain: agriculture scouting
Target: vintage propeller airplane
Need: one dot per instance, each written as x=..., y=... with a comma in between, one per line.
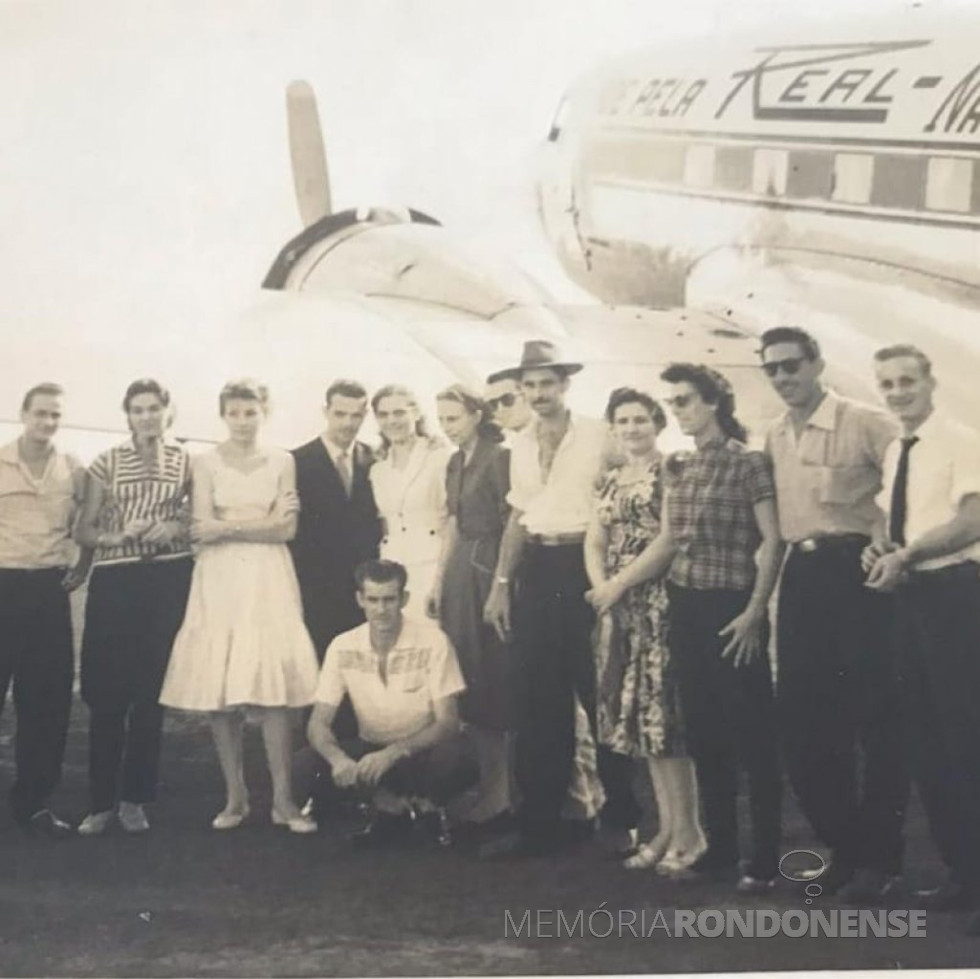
x=704, y=195
x=832, y=181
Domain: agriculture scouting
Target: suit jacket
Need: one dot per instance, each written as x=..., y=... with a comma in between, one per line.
x=335, y=534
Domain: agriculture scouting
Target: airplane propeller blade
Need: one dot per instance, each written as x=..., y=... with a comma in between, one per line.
x=309, y=160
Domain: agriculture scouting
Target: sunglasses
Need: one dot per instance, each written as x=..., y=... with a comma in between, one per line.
x=680, y=401
x=789, y=366
x=504, y=401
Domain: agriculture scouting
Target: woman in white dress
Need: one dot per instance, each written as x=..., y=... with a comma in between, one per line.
x=243, y=643
x=409, y=483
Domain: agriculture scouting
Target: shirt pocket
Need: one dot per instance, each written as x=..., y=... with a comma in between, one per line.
x=841, y=485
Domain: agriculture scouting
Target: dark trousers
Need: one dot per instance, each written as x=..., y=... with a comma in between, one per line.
x=939, y=636
x=36, y=654
x=133, y=614
x=438, y=774
x=553, y=626
x=731, y=725
x=839, y=706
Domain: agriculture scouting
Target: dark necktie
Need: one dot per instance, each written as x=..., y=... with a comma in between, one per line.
x=899, y=507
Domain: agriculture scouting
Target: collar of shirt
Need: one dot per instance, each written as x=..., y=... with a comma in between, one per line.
x=825, y=417
x=335, y=452
x=10, y=455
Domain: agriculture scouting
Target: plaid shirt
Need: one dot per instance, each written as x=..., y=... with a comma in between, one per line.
x=712, y=493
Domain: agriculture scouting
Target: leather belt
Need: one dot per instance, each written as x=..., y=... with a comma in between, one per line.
x=810, y=545
x=555, y=540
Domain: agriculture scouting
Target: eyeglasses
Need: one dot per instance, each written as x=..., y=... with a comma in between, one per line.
x=789, y=366
x=680, y=401
x=504, y=401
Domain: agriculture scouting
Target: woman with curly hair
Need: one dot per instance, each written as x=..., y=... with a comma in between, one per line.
x=720, y=521
x=638, y=707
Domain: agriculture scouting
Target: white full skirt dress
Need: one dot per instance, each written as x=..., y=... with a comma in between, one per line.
x=243, y=641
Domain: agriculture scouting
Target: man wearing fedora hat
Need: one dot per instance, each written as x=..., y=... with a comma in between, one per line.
x=555, y=461
x=512, y=414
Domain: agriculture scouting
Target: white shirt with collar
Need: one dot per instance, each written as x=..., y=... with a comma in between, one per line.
x=828, y=477
x=562, y=503
x=36, y=514
x=421, y=669
x=944, y=467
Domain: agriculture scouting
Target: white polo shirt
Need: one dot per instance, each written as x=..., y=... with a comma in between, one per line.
x=944, y=467
x=562, y=503
x=422, y=668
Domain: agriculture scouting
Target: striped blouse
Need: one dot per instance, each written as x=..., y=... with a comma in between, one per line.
x=133, y=491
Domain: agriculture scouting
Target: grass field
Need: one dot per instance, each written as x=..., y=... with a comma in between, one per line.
x=184, y=900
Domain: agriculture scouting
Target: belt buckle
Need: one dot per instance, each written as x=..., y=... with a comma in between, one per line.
x=808, y=545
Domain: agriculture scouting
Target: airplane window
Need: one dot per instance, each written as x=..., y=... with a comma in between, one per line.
x=733, y=168
x=899, y=181
x=663, y=160
x=769, y=172
x=852, y=177
x=811, y=174
x=699, y=165
x=949, y=183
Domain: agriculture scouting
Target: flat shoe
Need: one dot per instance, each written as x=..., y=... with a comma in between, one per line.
x=230, y=819
x=646, y=857
x=95, y=823
x=295, y=824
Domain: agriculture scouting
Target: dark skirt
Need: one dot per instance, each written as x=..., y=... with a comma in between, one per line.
x=488, y=665
x=132, y=615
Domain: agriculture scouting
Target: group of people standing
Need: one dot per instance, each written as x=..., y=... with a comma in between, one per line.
x=550, y=563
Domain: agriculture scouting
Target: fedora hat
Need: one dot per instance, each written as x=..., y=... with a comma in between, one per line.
x=539, y=354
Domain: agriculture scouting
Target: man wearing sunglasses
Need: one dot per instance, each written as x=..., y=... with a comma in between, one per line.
x=506, y=400
x=836, y=686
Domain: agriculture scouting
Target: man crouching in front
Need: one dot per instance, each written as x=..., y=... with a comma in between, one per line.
x=402, y=676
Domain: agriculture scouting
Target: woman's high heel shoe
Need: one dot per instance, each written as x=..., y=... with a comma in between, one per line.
x=677, y=861
x=647, y=856
x=295, y=824
x=230, y=818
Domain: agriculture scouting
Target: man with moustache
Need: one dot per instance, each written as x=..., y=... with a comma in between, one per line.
x=554, y=465
x=930, y=554
x=512, y=414
x=40, y=492
x=837, y=691
x=338, y=529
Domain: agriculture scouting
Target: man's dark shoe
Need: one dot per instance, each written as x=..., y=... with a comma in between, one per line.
x=947, y=897
x=44, y=823
x=433, y=827
x=385, y=829
x=874, y=888
x=617, y=844
x=833, y=878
